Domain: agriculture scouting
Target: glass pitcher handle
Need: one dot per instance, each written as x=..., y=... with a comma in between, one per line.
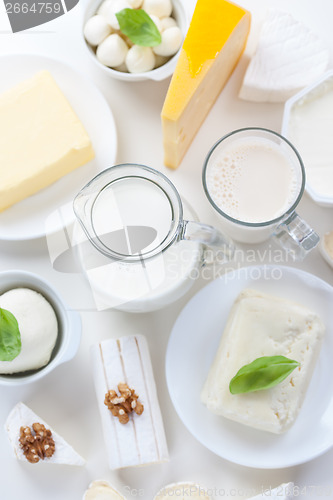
x=209, y=236
x=296, y=236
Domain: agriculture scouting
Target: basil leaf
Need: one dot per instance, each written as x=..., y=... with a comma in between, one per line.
x=139, y=27
x=262, y=373
x=10, y=337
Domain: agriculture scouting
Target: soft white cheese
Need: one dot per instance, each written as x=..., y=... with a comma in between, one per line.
x=23, y=416
x=38, y=328
x=263, y=325
x=101, y=490
x=288, y=58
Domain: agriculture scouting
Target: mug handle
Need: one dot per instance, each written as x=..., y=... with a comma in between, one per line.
x=209, y=236
x=296, y=236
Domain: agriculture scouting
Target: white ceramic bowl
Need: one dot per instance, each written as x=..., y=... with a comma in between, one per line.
x=69, y=324
x=323, y=201
x=158, y=74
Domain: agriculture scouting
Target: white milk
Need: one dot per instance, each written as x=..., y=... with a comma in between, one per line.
x=252, y=180
x=145, y=285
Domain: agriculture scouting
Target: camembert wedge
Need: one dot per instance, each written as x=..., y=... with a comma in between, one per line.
x=264, y=325
x=41, y=138
x=141, y=440
x=213, y=45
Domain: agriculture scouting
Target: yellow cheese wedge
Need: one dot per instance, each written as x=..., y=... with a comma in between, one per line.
x=213, y=45
x=41, y=138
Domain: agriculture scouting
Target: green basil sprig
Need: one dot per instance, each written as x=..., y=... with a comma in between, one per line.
x=139, y=27
x=262, y=373
x=10, y=337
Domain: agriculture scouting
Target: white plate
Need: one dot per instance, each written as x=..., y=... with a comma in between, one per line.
x=30, y=218
x=192, y=347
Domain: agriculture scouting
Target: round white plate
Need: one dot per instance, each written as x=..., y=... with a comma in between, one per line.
x=37, y=215
x=192, y=347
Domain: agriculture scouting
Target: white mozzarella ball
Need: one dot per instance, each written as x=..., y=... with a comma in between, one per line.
x=96, y=30
x=156, y=21
x=171, y=41
x=140, y=59
x=112, y=51
x=168, y=22
x=159, y=8
x=104, y=7
x=135, y=4
x=115, y=7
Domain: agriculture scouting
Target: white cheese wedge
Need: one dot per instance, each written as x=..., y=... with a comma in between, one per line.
x=264, y=325
x=102, y=490
x=288, y=58
x=20, y=416
x=142, y=440
x=282, y=492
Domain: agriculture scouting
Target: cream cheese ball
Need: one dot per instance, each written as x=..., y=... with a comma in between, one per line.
x=140, y=59
x=171, y=41
x=159, y=8
x=112, y=51
x=96, y=29
x=104, y=7
x=101, y=490
x=38, y=328
x=110, y=14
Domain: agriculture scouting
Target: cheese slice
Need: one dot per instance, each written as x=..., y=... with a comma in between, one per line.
x=142, y=440
x=213, y=45
x=288, y=58
x=282, y=492
x=41, y=138
x=264, y=325
x=21, y=415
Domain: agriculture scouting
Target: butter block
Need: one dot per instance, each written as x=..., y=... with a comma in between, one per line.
x=213, y=45
x=264, y=325
x=142, y=440
x=41, y=138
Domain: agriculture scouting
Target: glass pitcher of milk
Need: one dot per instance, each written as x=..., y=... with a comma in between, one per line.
x=143, y=253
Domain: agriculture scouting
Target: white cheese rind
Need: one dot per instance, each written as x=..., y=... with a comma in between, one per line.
x=263, y=325
x=142, y=440
x=288, y=58
x=22, y=415
x=282, y=492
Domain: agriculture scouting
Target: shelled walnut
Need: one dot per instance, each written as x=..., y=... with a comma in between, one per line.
x=37, y=445
x=123, y=404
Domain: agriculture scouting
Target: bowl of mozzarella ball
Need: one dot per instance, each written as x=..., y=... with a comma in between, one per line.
x=135, y=40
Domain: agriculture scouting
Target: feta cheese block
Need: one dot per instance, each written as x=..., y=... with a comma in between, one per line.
x=288, y=57
x=213, y=45
x=22, y=416
x=263, y=325
x=41, y=138
x=282, y=492
x=142, y=440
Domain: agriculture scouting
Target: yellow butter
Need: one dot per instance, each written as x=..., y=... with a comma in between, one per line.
x=213, y=45
x=41, y=138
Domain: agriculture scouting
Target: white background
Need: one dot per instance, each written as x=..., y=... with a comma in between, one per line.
x=66, y=398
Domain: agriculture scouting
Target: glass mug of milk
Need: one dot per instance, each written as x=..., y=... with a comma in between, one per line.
x=254, y=179
x=141, y=253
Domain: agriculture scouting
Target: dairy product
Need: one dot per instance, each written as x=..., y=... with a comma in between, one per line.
x=310, y=128
x=212, y=47
x=142, y=440
x=288, y=58
x=101, y=490
x=22, y=416
x=263, y=325
x=282, y=492
x=38, y=327
x=41, y=138
x=252, y=180
x=182, y=491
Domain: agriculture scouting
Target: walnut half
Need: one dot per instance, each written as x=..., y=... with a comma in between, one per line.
x=123, y=404
x=37, y=443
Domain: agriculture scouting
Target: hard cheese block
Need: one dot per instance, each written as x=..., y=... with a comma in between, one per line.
x=288, y=57
x=142, y=440
x=22, y=416
x=212, y=47
x=263, y=325
x=41, y=138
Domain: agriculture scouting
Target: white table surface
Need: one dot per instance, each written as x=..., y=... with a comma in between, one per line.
x=65, y=398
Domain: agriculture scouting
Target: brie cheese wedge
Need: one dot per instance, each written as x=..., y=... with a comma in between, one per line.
x=288, y=58
x=264, y=325
x=22, y=416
